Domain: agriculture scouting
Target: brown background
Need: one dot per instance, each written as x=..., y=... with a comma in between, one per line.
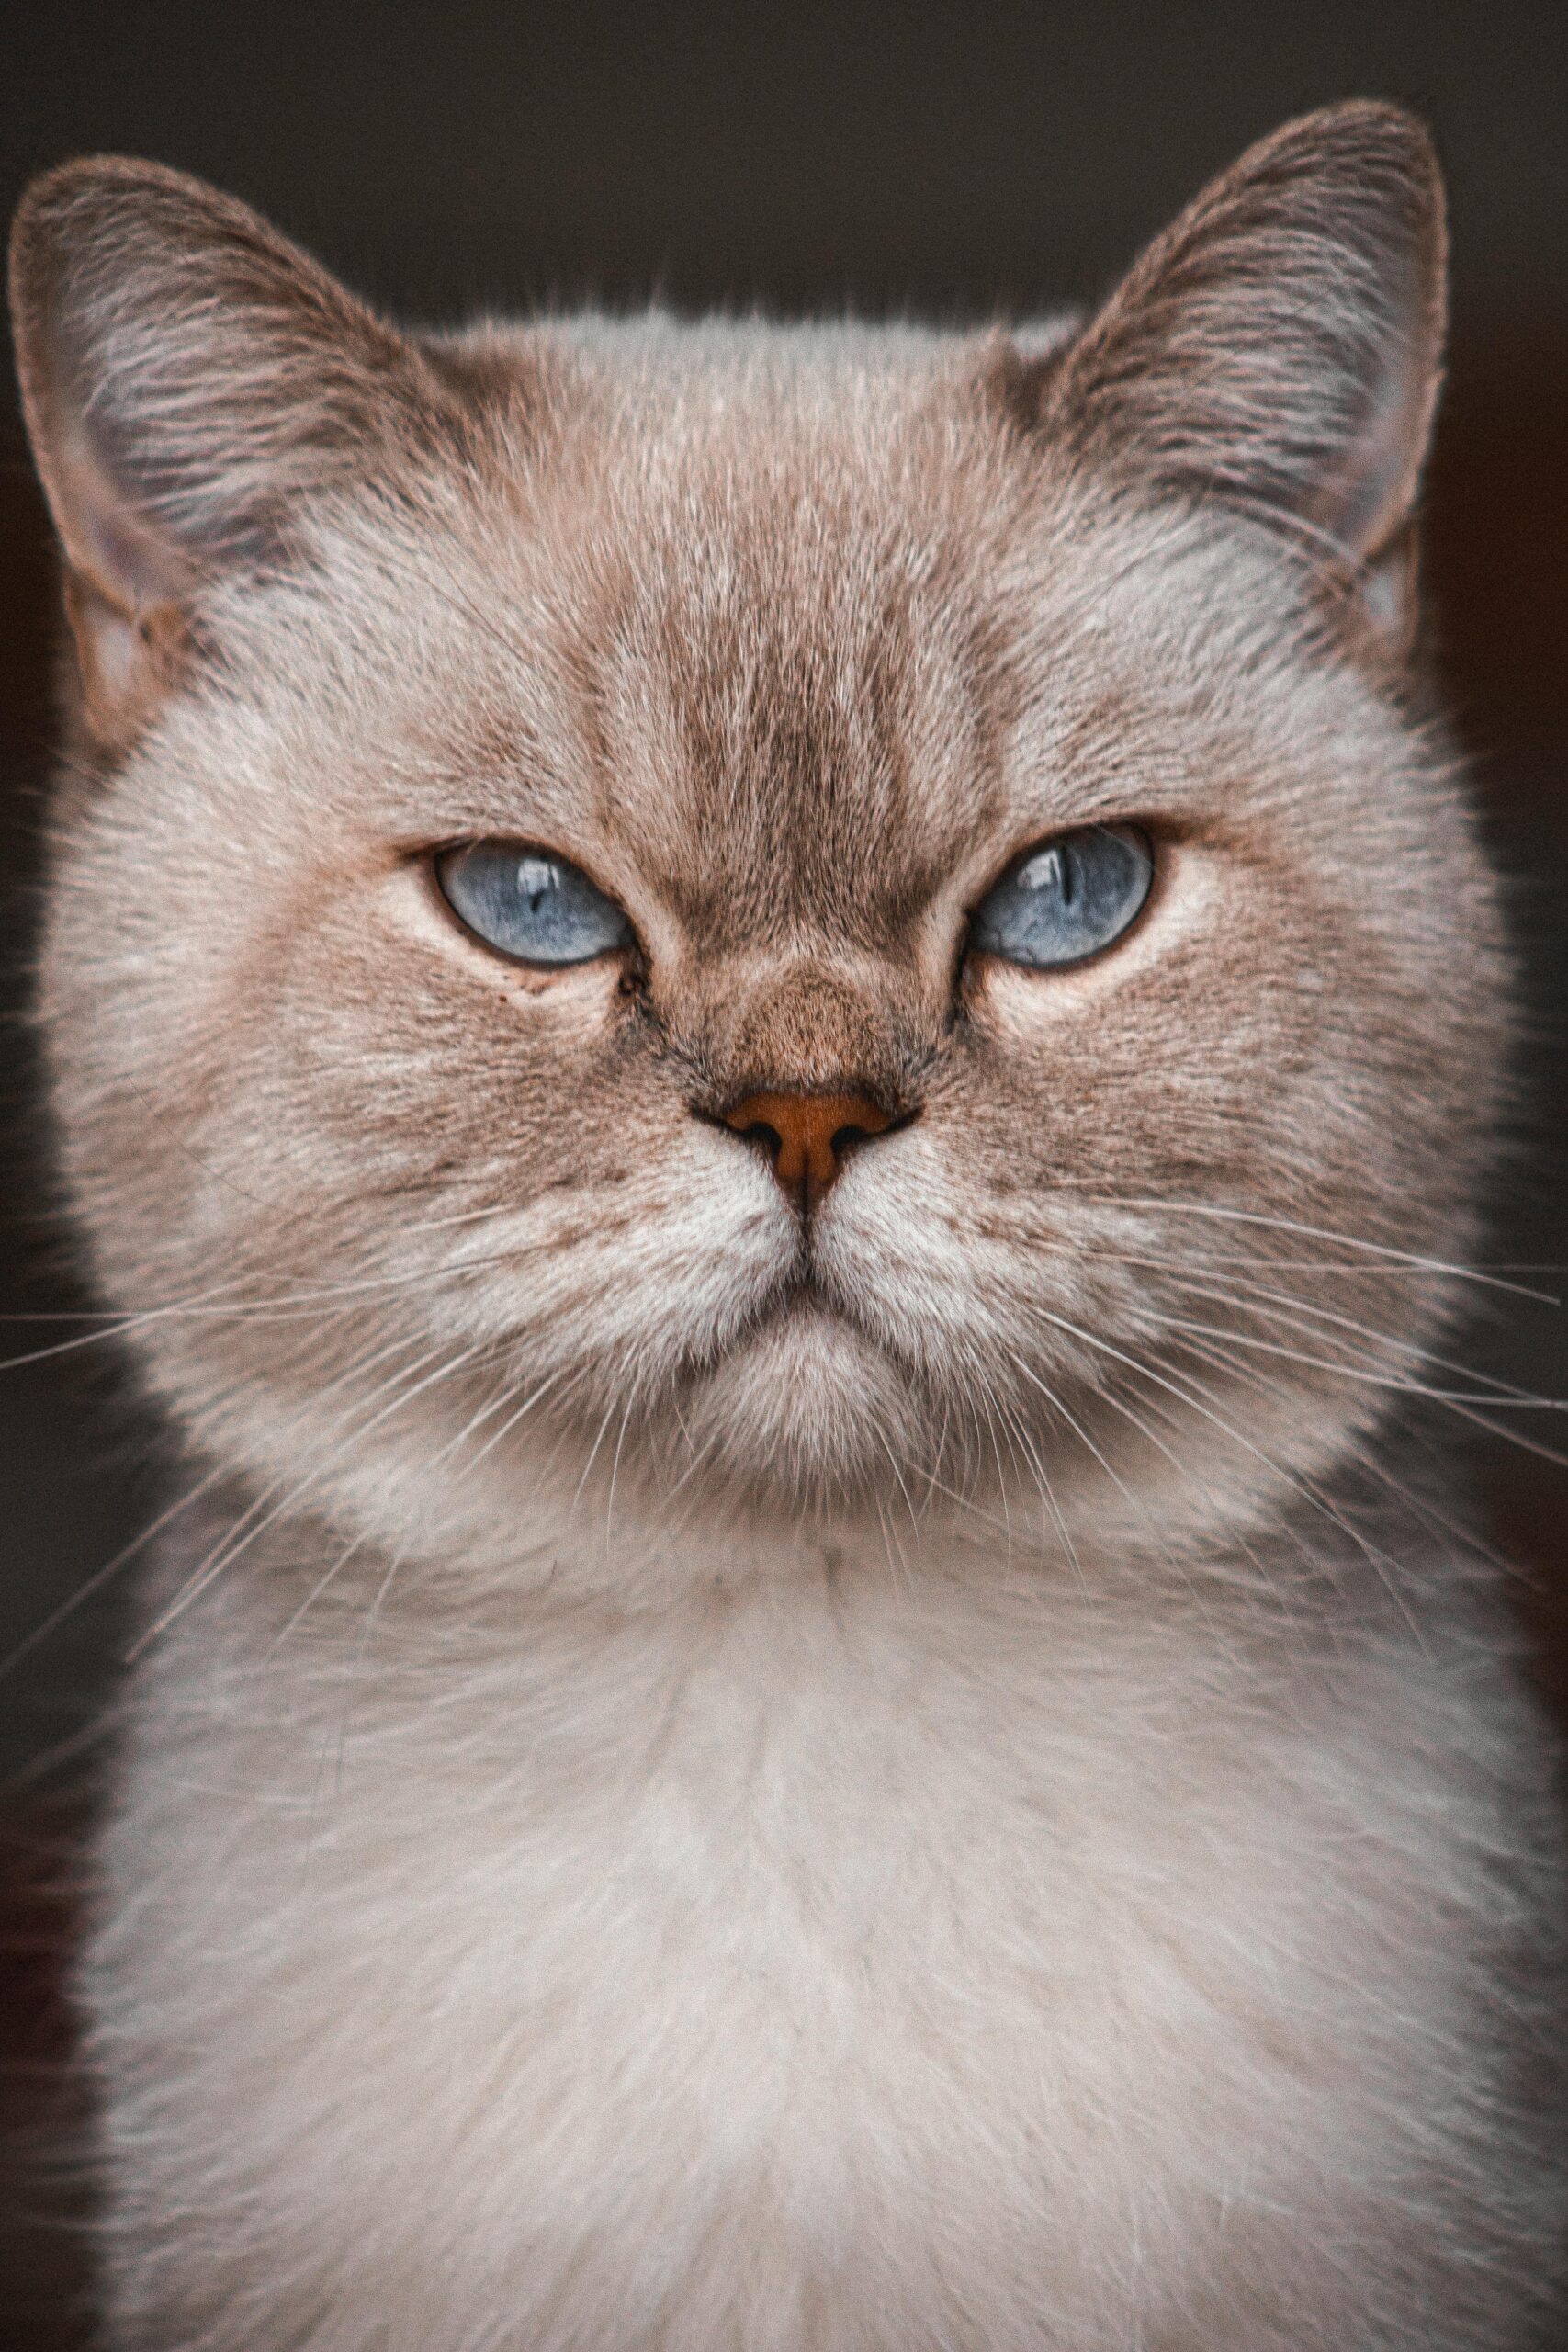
x=944, y=159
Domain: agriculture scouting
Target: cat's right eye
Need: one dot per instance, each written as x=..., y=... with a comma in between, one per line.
x=530, y=903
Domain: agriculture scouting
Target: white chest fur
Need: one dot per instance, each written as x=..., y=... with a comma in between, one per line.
x=844, y=1967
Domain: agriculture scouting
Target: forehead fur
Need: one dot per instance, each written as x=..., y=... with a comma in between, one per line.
x=757, y=566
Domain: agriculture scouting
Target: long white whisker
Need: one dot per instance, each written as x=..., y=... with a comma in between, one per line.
x=216, y=1565
x=1195, y=1402
x=1325, y=1233
x=1255, y=1297
x=1400, y=1384
x=101, y=1576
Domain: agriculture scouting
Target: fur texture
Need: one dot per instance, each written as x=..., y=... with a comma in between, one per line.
x=939, y=1773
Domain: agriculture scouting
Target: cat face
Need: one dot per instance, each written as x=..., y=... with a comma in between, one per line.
x=777, y=1172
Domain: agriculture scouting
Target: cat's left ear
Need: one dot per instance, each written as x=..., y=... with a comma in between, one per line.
x=1280, y=347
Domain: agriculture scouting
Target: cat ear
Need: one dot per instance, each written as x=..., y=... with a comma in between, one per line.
x=1281, y=345
x=188, y=376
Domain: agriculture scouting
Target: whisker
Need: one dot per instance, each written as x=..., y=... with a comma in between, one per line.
x=903, y=1489
x=1372, y=1464
x=1377, y=1249
x=1137, y=1503
x=593, y=1452
x=229, y=1550
x=1476, y=1410
x=527, y=1406
x=1017, y=1430
x=367, y=1626
x=1283, y=1305
x=289, y=1305
x=111, y=1568
x=1399, y=1383
x=315, y=1594
x=1293, y=1481
x=614, y=1472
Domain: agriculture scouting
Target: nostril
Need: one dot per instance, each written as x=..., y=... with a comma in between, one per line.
x=808, y=1135
x=845, y=1138
x=759, y=1131
x=852, y=1135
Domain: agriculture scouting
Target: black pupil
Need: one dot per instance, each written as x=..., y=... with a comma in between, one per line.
x=1053, y=870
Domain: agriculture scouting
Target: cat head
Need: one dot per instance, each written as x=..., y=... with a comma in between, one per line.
x=792, y=924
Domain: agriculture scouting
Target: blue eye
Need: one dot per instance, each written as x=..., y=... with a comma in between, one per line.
x=1067, y=898
x=530, y=903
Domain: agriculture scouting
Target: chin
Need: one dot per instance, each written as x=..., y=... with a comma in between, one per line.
x=806, y=1409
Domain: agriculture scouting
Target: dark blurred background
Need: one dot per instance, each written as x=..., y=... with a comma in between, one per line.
x=941, y=159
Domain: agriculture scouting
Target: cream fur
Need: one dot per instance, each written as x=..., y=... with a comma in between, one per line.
x=950, y=1777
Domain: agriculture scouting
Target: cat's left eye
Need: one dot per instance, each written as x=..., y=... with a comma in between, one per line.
x=530, y=903
x=1066, y=898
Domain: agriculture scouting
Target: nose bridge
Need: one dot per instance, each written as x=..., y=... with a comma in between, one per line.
x=812, y=1031
x=810, y=1071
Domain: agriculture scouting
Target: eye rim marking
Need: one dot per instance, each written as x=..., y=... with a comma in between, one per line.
x=1147, y=839
x=627, y=950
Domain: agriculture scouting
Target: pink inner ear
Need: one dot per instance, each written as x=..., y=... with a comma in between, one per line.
x=1369, y=498
x=126, y=585
x=128, y=661
x=188, y=376
x=1281, y=342
x=130, y=564
x=118, y=649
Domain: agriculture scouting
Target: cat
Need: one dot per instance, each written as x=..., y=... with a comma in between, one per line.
x=783, y=1044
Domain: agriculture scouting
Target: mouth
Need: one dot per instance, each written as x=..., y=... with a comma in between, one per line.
x=798, y=1311
x=803, y=1297
x=801, y=1401
x=801, y=1328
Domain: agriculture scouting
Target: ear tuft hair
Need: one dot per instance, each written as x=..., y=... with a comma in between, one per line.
x=188, y=378
x=1280, y=345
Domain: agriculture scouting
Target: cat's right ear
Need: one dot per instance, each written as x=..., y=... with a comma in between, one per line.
x=188, y=378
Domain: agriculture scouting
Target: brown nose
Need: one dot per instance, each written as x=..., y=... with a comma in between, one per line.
x=807, y=1135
